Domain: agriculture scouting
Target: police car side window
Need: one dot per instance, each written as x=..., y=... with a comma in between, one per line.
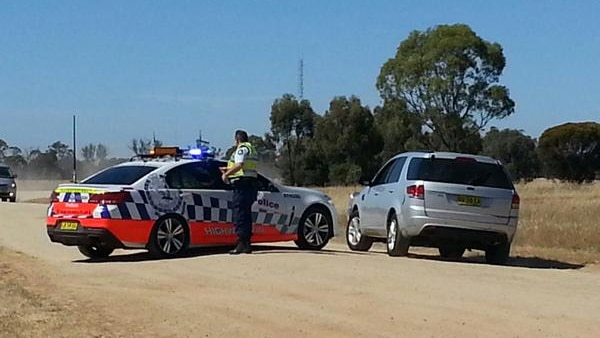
x=191, y=176
x=265, y=185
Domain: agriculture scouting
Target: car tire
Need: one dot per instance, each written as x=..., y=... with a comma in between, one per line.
x=451, y=251
x=355, y=240
x=13, y=199
x=397, y=244
x=170, y=237
x=314, y=229
x=497, y=254
x=95, y=252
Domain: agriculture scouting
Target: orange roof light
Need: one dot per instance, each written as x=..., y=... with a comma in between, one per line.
x=165, y=151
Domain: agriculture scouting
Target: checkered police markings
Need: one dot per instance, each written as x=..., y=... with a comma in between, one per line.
x=157, y=200
x=195, y=208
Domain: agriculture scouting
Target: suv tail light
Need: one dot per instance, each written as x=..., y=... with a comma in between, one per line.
x=416, y=191
x=109, y=198
x=516, y=201
x=53, y=197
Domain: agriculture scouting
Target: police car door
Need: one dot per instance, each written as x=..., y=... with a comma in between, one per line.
x=206, y=202
x=271, y=213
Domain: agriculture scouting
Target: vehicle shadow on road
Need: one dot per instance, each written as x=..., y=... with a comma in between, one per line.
x=518, y=262
x=210, y=251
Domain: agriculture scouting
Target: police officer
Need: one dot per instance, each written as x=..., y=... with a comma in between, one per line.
x=241, y=172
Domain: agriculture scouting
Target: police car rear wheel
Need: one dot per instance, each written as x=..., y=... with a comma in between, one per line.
x=170, y=237
x=95, y=251
x=314, y=229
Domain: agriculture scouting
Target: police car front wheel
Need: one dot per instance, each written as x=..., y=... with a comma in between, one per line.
x=169, y=238
x=314, y=229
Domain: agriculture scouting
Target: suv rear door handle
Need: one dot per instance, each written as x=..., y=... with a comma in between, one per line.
x=391, y=191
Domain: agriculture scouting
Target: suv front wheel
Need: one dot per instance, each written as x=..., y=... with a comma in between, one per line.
x=356, y=240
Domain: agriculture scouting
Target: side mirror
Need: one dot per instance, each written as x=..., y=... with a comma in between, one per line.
x=365, y=183
x=14, y=176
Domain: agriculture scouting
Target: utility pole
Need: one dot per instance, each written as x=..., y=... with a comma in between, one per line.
x=74, y=149
x=301, y=79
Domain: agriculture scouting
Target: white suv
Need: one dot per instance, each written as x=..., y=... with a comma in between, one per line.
x=448, y=201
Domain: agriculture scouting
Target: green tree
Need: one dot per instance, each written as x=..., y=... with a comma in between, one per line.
x=448, y=76
x=348, y=140
x=516, y=150
x=101, y=152
x=571, y=151
x=142, y=146
x=3, y=148
x=89, y=152
x=292, y=124
x=400, y=129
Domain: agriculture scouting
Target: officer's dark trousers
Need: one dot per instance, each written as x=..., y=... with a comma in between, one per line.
x=244, y=195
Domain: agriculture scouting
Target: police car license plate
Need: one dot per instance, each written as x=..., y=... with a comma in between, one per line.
x=68, y=226
x=471, y=201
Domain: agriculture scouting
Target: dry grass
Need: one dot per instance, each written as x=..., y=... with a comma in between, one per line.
x=556, y=219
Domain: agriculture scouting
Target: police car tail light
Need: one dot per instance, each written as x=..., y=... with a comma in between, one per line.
x=416, y=191
x=109, y=198
x=53, y=197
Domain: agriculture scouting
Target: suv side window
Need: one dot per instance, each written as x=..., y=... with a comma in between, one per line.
x=382, y=175
x=394, y=175
x=193, y=176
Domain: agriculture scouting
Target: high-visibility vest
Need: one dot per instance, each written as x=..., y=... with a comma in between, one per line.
x=249, y=165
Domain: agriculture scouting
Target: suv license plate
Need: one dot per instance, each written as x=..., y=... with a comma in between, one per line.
x=68, y=226
x=470, y=201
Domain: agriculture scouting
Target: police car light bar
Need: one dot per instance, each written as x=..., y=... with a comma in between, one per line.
x=165, y=151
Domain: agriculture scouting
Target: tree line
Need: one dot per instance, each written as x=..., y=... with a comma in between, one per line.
x=440, y=92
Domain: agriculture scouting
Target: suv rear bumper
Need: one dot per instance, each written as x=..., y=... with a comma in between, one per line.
x=427, y=231
x=84, y=236
x=436, y=236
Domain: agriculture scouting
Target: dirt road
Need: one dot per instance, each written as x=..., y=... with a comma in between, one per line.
x=280, y=291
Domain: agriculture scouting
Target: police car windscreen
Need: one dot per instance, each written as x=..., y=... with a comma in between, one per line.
x=120, y=175
x=5, y=172
x=458, y=172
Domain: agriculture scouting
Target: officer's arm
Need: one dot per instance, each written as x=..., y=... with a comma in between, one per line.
x=233, y=169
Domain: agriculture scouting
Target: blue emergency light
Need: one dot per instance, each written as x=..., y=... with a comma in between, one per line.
x=200, y=153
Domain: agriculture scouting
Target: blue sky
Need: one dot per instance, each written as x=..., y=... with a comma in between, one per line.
x=131, y=68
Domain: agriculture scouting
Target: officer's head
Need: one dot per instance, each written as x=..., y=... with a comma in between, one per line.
x=241, y=136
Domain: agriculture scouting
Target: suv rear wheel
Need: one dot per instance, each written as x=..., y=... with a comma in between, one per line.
x=451, y=251
x=497, y=254
x=354, y=238
x=397, y=244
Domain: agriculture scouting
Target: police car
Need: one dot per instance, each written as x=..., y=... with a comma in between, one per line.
x=167, y=203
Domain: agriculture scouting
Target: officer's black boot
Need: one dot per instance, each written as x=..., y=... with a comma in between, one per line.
x=241, y=247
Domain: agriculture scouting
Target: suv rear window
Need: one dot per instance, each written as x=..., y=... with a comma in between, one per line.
x=120, y=175
x=458, y=172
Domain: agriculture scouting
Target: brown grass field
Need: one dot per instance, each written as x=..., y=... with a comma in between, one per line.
x=557, y=220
